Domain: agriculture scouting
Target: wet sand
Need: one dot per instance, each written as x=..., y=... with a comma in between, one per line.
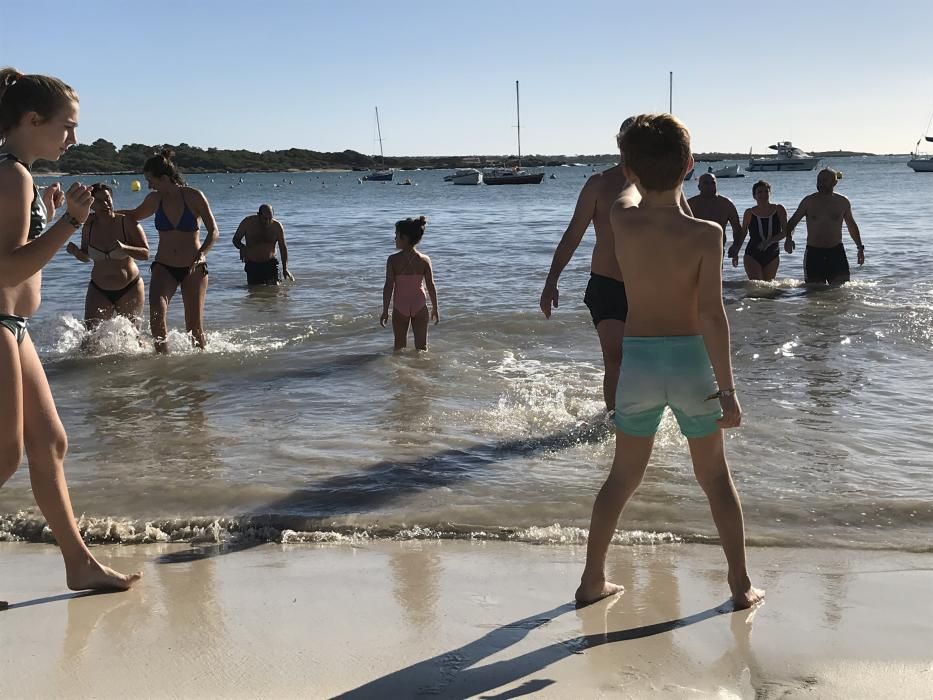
x=457, y=619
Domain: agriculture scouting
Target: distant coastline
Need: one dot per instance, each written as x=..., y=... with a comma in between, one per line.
x=104, y=157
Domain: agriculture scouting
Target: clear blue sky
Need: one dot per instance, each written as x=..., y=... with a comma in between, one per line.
x=307, y=74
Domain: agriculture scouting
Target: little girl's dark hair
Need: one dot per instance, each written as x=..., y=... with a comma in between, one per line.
x=411, y=229
x=162, y=163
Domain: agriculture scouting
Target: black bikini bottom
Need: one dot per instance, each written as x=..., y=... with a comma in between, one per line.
x=114, y=295
x=179, y=273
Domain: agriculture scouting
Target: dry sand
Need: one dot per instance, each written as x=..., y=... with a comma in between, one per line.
x=461, y=619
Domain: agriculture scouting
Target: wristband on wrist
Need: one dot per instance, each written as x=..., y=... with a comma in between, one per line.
x=721, y=394
x=860, y=247
x=72, y=221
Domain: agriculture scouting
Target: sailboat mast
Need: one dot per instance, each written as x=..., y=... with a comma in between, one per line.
x=379, y=131
x=670, y=93
x=518, y=113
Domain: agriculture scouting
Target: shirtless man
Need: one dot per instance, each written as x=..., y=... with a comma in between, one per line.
x=605, y=293
x=825, y=261
x=262, y=234
x=714, y=207
x=674, y=332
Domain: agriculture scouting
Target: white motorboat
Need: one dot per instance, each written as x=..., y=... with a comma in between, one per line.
x=726, y=171
x=465, y=176
x=788, y=158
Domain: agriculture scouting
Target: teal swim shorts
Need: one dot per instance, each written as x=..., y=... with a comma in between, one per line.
x=666, y=371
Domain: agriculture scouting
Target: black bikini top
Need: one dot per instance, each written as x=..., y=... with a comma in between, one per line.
x=38, y=216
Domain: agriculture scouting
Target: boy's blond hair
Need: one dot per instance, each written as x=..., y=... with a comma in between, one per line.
x=656, y=148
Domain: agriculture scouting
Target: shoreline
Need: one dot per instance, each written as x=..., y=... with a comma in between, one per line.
x=461, y=619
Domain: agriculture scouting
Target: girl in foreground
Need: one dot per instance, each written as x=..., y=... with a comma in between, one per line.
x=408, y=272
x=38, y=118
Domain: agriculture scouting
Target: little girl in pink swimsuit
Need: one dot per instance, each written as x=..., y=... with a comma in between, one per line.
x=408, y=272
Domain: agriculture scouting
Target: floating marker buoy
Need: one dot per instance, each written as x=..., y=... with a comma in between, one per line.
x=135, y=186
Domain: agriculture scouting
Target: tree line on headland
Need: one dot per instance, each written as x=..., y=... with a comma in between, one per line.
x=104, y=157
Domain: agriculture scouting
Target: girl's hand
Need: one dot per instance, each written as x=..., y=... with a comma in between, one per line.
x=384, y=319
x=78, y=198
x=435, y=316
x=198, y=261
x=53, y=198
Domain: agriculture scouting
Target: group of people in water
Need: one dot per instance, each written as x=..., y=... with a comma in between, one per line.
x=676, y=335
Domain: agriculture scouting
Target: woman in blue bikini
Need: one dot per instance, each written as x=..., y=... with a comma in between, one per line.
x=180, y=259
x=113, y=242
x=38, y=118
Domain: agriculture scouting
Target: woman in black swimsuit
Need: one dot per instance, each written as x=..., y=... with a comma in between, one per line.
x=180, y=258
x=113, y=242
x=38, y=118
x=765, y=224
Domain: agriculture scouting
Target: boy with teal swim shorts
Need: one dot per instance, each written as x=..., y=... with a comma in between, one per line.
x=677, y=328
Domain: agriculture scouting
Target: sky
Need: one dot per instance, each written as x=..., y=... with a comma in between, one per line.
x=309, y=74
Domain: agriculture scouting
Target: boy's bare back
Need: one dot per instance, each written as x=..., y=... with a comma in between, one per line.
x=671, y=264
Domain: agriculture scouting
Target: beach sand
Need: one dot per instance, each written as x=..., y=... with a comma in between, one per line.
x=454, y=619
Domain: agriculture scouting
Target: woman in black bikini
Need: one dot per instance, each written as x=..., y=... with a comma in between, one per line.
x=38, y=118
x=113, y=242
x=180, y=258
x=764, y=224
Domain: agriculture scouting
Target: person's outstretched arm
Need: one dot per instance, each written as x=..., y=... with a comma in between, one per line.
x=714, y=325
x=734, y=223
x=739, y=237
x=145, y=209
x=140, y=248
x=583, y=214
x=854, y=232
x=801, y=212
x=432, y=290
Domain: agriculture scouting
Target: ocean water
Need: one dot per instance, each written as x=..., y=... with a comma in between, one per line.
x=299, y=423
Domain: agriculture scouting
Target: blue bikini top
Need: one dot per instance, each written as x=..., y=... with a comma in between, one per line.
x=188, y=221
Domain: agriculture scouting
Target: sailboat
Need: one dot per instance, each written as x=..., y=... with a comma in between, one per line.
x=922, y=162
x=383, y=174
x=670, y=110
x=513, y=176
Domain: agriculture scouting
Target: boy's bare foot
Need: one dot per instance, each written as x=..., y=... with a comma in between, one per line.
x=91, y=575
x=587, y=594
x=747, y=598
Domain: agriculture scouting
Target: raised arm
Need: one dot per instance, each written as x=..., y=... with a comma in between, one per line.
x=583, y=214
x=432, y=290
x=854, y=232
x=146, y=208
x=19, y=261
x=387, y=292
x=714, y=325
x=283, y=250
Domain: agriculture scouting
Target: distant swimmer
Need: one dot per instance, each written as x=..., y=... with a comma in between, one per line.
x=710, y=206
x=408, y=274
x=262, y=233
x=765, y=224
x=825, y=261
x=113, y=242
x=605, y=292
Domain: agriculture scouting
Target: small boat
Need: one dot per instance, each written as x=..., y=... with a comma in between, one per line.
x=406, y=181
x=465, y=176
x=922, y=162
x=383, y=174
x=726, y=171
x=513, y=176
x=788, y=158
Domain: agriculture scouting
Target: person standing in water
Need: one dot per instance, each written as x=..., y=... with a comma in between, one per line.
x=113, y=242
x=765, y=223
x=825, y=261
x=605, y=292
x=262, y=233
x=408, y=272
x=710, y=206
x=38, y=120
x=674, y=332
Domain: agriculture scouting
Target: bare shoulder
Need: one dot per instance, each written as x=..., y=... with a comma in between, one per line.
x=706, y=232
x=14, y=177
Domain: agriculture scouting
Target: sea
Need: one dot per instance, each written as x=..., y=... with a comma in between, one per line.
x=299, y=423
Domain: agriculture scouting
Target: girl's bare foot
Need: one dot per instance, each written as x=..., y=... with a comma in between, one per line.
x=590, y=593
x=91, y=575
x=747, y=598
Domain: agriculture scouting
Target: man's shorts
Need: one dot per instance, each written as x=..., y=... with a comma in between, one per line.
x=666, y=371
x=605, y=298
x=266, y=272
x=826, y=265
